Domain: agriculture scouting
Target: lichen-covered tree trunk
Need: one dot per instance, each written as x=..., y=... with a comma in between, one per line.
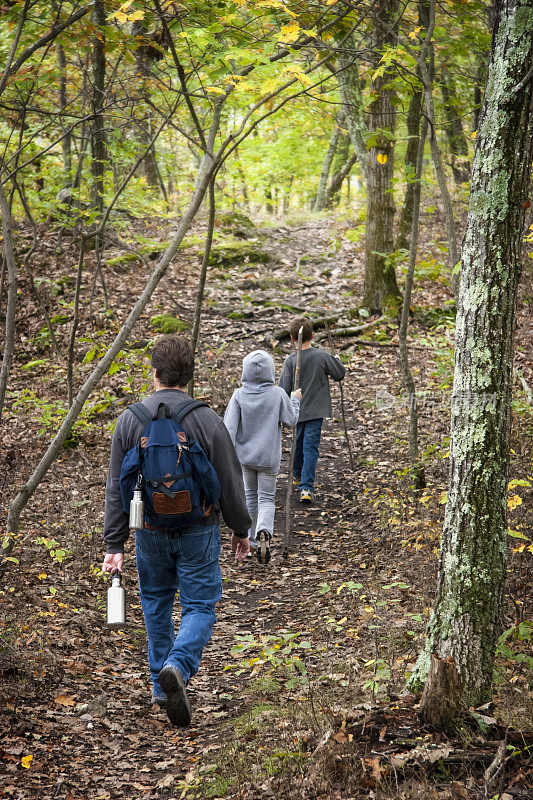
x=467, y=614
x=380, y=287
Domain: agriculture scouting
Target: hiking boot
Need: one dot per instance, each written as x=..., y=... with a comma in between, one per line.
x=158, y=700
x=178, y=708
x=306, y=496
x=296, y=482
x=263, y=551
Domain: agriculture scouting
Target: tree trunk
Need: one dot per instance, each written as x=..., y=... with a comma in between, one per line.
x=67, y=139
x=149, y=164
x=335, y=186
x=326, y=166
x=98, y=138
x=454, y=131
x=414, y=115
x=413, y=127
x=9, y=257
x=426, y=72
x=380, y=287
x=466, y=619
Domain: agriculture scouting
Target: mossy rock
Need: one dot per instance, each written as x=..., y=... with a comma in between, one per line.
x=236, y=251
x=166, y=323
x=236, y=223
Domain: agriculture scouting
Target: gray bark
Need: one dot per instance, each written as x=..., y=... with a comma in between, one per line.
x=203, y=276
x=326, y=166
x=467, y=614
x=414, y=115
x=380, y=287
x=427, y=79
x=454, y=130
x=12, y=285
x=419, y=478
x=66, y=140
x=98, y=139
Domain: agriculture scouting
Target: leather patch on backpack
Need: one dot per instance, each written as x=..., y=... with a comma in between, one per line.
x=144, y=441
x=179, y=504
x=182, y=436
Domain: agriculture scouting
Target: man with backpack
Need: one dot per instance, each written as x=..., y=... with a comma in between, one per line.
x=177, y=453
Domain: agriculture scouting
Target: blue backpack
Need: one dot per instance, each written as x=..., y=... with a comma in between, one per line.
x=179, y=484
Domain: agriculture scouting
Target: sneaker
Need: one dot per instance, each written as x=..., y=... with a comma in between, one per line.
x=158, y=700
x=306, y=496
x=263, y=551
x=178, y=708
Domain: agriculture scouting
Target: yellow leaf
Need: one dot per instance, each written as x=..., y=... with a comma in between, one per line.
x=517, y=482
x=121, y=16
x=369, y=609
x=342, y=621
x=289, y=33
x=415, y=33
x=136, y=15
x=473, y=135
x=382, y=158
x=65, y=701
x=443, y=497
x=26, y=761
x=519, y=549
x=42, y=576
x=514, y=501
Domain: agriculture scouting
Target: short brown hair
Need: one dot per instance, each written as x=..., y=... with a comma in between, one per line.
x=173, y=360
x=301, y=322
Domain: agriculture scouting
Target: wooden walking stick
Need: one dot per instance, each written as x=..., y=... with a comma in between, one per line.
x=342, y=404
x=287, y=536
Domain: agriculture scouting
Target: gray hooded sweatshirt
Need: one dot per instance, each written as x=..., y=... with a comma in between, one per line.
x=256, y=412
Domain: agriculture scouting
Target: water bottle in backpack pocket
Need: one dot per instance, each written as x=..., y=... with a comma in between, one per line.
x=178, y=483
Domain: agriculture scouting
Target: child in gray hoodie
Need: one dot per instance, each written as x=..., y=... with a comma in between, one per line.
x=253, y=418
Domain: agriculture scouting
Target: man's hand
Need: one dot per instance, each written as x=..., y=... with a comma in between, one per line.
x=241, y=547
x=113, y=561
x=297, y=393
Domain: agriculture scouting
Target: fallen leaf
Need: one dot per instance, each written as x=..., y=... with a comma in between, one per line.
x=65, y=701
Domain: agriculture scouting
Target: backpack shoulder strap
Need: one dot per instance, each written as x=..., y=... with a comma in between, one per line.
x=141, y=412
x=189, y=405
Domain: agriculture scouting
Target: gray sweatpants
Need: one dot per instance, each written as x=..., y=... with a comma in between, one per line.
x=260, y=490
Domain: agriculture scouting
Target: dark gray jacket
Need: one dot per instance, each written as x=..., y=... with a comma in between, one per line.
x=315, y=370
x=210, y=432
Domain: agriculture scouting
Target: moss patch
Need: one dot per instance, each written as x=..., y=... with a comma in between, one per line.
x=166, y=323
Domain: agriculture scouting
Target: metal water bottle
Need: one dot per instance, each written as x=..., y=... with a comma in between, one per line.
x=116, y=602
x=137, y=511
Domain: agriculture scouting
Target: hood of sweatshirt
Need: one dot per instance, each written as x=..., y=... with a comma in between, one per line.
x=258, y=371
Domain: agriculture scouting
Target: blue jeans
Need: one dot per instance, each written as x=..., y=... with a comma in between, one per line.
x=306, y=454
x=188, y=561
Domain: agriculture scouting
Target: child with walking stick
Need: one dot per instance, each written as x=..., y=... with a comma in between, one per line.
x=254, y=417
x=317, y=366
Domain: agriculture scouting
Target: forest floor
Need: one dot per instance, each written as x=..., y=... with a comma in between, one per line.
x=300, y=693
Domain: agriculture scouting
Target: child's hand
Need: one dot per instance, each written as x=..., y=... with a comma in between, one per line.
x=297, y=393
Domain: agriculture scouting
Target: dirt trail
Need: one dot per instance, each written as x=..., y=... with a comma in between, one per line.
x=116, y=745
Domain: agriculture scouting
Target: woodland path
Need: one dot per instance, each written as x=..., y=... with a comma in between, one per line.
x=118, y=746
